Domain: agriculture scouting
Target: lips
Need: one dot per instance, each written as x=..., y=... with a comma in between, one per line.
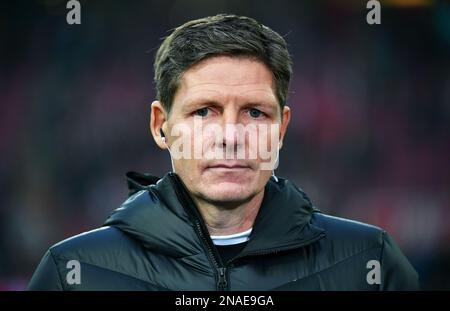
x=228, y=165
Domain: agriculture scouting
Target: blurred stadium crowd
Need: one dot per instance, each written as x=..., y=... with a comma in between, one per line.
x=369, y=138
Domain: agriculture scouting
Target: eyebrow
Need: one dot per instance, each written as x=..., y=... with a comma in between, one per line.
x=198, y=102
x=268, y=108
x=264, y=105
x=265, y=102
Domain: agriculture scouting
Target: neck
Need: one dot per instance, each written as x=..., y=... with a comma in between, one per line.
x=230, y=219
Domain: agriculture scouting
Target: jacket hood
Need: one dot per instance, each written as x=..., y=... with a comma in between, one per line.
x=156, y=216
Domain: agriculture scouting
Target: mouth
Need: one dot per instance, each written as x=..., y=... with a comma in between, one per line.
x=228, y=166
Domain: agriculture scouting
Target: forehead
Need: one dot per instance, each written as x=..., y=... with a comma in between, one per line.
x=225, y=77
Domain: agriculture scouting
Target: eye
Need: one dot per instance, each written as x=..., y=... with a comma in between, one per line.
x=255, y=113
x=203, y=112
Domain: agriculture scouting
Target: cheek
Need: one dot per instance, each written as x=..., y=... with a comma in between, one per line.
x=207, y=141
x=267, y=142
x=274, y=136
x=189, y=166
x=189, y=172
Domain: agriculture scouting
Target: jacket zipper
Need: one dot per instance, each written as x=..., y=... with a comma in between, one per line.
x=222, y=283
x=221, y=269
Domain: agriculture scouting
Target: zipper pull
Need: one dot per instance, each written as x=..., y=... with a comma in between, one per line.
x=222, y=283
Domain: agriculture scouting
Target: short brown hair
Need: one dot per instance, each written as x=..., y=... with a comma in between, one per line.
x=217, y=35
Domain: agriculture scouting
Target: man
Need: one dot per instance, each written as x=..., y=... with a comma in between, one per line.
x=221, y=221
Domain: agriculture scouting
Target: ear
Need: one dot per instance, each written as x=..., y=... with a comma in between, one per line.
x=158, y=116
x=285, y=118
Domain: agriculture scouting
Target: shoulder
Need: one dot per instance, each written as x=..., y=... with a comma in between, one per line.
x=346, y=238
x=339, y=228
x=101, y=259
x=97, y=246
x=358, y=244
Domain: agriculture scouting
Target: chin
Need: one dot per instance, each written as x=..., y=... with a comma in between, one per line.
x=227, y=192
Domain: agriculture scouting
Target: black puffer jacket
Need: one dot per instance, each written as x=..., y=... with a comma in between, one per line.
x=157, y=241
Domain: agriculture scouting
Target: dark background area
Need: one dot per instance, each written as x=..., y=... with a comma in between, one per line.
x=369, y=138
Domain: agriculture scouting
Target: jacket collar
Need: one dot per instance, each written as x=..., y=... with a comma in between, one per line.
x=284, y=219
x=158, y=216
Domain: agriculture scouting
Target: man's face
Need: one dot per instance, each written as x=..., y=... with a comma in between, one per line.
x=216, y=99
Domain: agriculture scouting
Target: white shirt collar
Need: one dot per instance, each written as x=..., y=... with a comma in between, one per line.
x=232, y=239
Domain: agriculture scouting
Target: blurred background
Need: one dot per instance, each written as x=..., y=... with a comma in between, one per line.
x=369, y=138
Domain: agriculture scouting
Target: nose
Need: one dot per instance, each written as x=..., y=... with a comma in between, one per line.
x=230, y=129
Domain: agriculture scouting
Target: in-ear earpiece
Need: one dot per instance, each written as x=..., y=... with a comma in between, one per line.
x=280, y=143
x=163, y=137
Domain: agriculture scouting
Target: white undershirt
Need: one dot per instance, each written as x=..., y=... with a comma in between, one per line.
x=231, y=239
